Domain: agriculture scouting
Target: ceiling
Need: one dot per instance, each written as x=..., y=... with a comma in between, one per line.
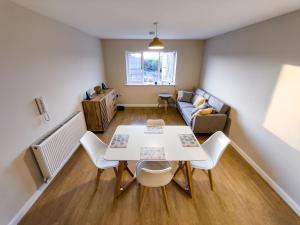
x=178, y=19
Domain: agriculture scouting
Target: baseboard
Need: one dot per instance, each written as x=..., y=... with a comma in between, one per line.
x=138, y=105
x=17, y=218
x=29, y=203
x=268, y=179
x=25, y=208
x=144, y=105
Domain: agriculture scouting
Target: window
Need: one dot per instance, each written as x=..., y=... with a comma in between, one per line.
x=151, y=67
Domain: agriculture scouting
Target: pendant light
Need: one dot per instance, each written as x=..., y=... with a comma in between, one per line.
x=156, y=43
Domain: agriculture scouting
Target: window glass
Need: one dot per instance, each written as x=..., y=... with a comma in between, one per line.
x=151, y=63
x=134, y=68
x=151, y=68
x=167, y=60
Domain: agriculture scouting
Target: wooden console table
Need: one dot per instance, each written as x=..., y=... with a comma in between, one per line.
x=100, y=110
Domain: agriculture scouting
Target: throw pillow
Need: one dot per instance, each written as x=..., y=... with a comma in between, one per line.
x=202, y=106
x=200, y=100
x=184, y=96
x=206, y=111
x=202, y=112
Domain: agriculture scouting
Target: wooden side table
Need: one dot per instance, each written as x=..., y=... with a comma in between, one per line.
x=165, y=97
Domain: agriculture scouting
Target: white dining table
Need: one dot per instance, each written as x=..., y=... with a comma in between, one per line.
x=168, y=139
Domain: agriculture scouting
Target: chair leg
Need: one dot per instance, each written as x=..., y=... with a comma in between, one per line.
x=193, y=171
x=163, y=189
x=210, y=180
x=116, y=171
x=142, y=196
x=99, y=172
x=166, y=106
x=205, y=172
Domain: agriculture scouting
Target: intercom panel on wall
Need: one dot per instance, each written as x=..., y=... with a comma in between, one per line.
x=40, y=102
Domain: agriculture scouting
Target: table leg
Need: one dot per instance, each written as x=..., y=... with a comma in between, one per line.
x=158, y=102
x=186, y=169
x=189, y=177
x=166, y=105
x=119, y=189
x=179, y=167
x=121, y=168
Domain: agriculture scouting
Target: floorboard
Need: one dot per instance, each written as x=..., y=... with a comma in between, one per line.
x=241, y=196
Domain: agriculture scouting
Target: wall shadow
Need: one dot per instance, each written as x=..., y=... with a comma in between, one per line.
x=33, y=167
x=26, y=164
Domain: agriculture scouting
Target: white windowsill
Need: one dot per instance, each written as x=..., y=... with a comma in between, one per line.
x=149, y=84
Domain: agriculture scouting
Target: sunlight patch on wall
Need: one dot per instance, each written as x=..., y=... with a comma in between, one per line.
x=283, y=115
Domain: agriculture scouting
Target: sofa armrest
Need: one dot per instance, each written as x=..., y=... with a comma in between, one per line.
x=209, y=123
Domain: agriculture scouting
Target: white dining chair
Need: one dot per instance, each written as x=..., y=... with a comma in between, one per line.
x=95, y=149
x=214, y=146
x=154, y=174
x=155, y=123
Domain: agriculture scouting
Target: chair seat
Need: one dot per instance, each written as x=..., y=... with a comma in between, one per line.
x=155, y=123
x=152, y=165
x=105, y=164
x=204, y=165
x=157, y=173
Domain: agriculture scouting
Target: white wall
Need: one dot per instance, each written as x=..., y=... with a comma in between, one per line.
x=189, y=57
x=38, y=56
x=256, y=71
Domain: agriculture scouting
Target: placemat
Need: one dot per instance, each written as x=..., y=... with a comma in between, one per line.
x=154, y=130
x=119, y=141
x=152, y=153
x=188, y=140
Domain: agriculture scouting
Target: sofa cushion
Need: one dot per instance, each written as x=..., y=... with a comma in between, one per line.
x=218, y=105
x=182, y=105
x=187, y=114
x=199, y=91
x=195, y=96
x=206, y=95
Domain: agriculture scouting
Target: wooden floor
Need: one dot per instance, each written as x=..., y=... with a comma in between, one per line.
x=241, y=196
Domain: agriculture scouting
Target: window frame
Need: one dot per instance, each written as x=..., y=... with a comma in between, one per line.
x=158, y=68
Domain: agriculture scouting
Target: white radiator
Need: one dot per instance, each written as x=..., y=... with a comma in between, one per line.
x=53, y=151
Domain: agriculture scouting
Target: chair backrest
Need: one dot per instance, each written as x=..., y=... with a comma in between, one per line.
x=215, y=145
x=155, y=123
x=148, y=176
x=93, y=146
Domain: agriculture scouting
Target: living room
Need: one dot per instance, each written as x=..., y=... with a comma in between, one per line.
x=199, y=109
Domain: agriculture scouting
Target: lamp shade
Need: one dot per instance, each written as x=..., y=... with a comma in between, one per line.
x=156, y=44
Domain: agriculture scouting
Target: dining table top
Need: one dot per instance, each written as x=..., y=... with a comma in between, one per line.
x=168, y=139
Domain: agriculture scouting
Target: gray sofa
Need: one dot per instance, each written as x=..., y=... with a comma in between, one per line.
x=205, y=123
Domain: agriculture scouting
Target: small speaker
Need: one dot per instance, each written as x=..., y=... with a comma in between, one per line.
x=104, y=87
x=120, y=108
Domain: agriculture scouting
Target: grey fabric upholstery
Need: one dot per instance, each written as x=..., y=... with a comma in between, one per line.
x=209, y=123
x=187, y=115
x=205, y=123
x=194, y=98
x=219, y=106
x=206, y=95
x=199, y=92
x=185, y=105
